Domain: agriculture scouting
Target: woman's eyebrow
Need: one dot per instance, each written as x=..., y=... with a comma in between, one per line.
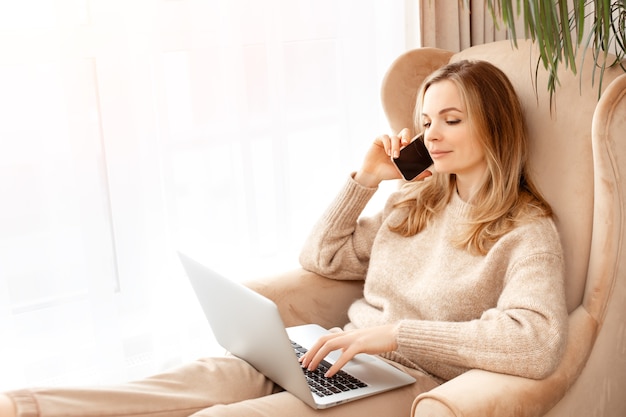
x=446, y=110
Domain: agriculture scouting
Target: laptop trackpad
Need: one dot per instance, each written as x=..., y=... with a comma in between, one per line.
x=363, y=358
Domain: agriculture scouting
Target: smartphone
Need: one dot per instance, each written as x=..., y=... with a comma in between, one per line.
x=414, y=158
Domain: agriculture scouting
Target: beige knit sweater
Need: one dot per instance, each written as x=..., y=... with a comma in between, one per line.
x=503, y=312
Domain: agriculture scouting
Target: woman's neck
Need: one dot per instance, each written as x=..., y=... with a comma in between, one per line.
x=466, y=187
x=464, y=191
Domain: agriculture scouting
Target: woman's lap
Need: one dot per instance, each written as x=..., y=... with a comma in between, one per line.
x=224, y=386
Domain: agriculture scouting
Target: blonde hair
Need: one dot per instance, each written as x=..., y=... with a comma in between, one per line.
x=507, y=196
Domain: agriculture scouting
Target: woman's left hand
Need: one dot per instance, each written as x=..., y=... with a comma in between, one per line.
x=372, y=340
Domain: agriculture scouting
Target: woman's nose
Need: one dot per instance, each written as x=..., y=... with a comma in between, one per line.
x=430, y=135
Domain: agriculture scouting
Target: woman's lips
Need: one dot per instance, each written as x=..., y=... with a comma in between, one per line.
x=438, y=153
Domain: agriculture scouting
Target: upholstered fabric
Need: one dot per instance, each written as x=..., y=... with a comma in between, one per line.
x=578, y=159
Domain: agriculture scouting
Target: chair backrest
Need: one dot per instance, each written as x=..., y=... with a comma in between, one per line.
x=578, y=160
x=561, y=154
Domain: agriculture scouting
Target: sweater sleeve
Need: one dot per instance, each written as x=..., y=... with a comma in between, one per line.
x=340, y=243
x=524, y=334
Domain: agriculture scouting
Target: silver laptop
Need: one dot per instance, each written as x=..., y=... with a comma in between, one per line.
x=249, y=326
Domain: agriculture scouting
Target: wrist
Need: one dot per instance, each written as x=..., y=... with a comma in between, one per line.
x=367, y=179
x=395, y=331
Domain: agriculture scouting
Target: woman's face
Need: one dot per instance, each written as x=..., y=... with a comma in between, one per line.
x=448, y=136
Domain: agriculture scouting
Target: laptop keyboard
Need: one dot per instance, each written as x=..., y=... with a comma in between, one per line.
x=322, y=386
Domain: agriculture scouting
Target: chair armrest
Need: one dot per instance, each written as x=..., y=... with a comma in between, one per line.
x=304, y=297
x=478, y=393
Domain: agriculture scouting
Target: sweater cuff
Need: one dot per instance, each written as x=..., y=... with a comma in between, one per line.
x=419, y=339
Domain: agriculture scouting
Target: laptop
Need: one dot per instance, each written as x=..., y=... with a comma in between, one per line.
x=249, y=326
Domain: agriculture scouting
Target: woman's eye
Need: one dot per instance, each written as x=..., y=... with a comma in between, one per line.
x=453, y=122
x=426, y=124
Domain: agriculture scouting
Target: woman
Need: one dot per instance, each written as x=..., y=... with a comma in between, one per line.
x=463, y=270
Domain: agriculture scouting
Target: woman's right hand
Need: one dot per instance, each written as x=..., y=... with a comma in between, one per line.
x=377, y=165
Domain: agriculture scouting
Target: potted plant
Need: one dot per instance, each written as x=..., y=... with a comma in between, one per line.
x=562, y=27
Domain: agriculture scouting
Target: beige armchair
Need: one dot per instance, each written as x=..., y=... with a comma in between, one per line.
x=578, y=159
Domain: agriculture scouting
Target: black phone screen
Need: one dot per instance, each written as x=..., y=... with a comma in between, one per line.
x=413, y=159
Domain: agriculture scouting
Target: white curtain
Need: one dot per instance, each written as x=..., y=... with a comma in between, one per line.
x=132, y=129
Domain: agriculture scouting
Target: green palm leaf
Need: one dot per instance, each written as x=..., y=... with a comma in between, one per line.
x=558, y=28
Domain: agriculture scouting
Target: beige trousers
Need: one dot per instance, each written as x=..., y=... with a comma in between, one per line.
x=224, y=386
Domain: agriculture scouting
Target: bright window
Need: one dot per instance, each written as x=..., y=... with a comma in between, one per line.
x=132, y=129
